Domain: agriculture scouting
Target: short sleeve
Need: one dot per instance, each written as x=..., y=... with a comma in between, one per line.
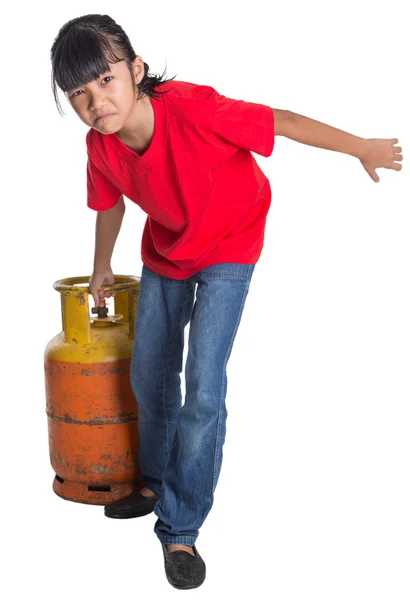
x=246, y=125
x=102, y=194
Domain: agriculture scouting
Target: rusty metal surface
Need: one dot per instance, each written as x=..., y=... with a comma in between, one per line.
x=92, y=413
x=93, y=428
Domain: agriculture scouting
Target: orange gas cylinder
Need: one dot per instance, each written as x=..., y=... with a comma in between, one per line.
x=91, y=409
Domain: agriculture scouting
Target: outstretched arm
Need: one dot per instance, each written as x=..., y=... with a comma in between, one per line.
x=372, y=153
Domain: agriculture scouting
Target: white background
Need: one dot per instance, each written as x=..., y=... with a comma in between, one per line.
x=313, y=498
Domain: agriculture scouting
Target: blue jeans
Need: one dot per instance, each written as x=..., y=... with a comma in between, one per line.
x=180, y=452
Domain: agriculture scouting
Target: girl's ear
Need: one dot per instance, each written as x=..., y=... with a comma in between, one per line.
x=138, y=66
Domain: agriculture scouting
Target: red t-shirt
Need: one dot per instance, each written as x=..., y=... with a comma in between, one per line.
x=203, y=191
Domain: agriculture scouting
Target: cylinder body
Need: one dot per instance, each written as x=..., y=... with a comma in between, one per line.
x=91, y=409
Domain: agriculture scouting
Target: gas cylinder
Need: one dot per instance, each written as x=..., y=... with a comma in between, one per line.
x=92, y=412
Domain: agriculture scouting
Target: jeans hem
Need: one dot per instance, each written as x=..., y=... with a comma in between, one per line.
x=177, y=539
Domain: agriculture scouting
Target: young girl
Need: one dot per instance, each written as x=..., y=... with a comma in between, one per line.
x=183, y=153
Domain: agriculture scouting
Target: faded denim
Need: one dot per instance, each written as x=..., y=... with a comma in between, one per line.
x=181, y=445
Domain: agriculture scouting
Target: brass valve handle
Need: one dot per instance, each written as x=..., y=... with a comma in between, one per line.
x=101, y=311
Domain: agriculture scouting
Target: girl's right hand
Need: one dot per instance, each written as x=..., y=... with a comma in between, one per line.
x=97, y=279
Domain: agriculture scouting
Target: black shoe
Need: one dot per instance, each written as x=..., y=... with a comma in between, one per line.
x=183, y=570
x=134, y=505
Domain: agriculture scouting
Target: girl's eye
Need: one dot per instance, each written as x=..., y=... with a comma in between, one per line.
x=75, y=93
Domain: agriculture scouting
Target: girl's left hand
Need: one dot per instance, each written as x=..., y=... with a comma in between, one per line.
x=381, y=153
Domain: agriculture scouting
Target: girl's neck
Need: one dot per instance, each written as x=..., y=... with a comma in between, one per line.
x=137, y=133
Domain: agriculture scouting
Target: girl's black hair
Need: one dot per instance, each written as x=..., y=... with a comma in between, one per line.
x=82, y=50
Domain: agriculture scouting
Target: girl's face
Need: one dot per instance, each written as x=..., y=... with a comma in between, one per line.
x=107, y=103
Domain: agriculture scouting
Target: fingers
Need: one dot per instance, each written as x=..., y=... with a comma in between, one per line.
x=98, y=301
x=373, y=175
x=101, y=299
x=397, y=156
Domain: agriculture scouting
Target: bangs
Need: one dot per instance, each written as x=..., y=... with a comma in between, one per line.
x=82, y=58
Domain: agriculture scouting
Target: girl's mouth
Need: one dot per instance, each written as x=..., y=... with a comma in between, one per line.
x=106, y=116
